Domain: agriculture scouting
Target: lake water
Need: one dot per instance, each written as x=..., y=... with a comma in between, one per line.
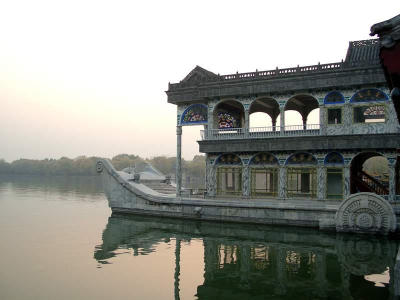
x=58, y=240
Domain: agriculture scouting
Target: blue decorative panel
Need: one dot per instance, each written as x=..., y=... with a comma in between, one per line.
x=369, y=95
x=334, y=98
x=334, y=158
x=195, y=114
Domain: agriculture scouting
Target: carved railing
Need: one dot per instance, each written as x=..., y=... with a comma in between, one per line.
x=373, y=184
x=283, y=72
x=266, y=74
x=260, y=132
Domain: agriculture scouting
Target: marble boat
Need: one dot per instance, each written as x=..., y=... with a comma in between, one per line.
x=311, y=174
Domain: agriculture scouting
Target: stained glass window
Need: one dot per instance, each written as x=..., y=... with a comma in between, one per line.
x=227, y=120
x=195, y=114
x=369, y=95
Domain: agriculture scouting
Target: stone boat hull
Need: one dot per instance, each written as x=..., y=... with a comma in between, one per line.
x=362, y=212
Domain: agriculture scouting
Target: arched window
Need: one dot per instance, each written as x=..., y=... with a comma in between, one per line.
x=368, y=95
x=334, y=175
x=264, y=175
x=229, y=175
x=228, y=114
x=301, y=175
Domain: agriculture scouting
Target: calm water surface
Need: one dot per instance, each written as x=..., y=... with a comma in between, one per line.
x=58, y=240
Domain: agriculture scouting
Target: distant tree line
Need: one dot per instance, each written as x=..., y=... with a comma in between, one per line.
x=83, y=165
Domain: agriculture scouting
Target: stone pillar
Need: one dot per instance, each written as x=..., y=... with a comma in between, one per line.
x=274, y=124
x=246, y=122
x=178, y=175
x=282, y=120
x=347, y=118
x=282, y=182
x=246, y=181
x=322, y=120
x=304, y=121
x=392, y=179
x=346, y=177
x=211, y=179
x=321, y=182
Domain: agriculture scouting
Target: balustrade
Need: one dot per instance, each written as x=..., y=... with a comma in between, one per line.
x=260, y=132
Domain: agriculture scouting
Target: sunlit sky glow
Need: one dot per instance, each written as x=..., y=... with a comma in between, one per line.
x=88, y=77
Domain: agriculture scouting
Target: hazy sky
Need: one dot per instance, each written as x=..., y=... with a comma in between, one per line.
x=88, y=77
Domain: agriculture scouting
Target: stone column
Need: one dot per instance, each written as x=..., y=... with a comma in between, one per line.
x=346, y=177
x=304, y=121
x=274, y=124
x=211, y=180
x=246, y=122
x=246, y=181
x=178, y=175
x=282, y=182
x=392, y=180
x=321, y=182
x=322, y=121
x=282, y=120
x=347, y=118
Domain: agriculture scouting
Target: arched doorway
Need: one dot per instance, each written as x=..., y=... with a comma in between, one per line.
x=268, y=109
x=304, y=105
x=369, y=172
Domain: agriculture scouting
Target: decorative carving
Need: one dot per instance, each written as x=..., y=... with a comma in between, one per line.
x=282, y=182
x=246, y=181
x=99, y=167
x=365, y=212
x=264, y=159
x=302, y=158
x=211, y=180
x=228, y=159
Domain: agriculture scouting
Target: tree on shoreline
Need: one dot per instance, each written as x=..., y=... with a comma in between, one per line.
x=85, y=166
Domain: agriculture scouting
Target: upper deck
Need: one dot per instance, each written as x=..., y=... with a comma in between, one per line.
x=347, y=98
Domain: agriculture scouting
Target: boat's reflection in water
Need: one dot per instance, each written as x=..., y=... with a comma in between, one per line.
x=260, y=262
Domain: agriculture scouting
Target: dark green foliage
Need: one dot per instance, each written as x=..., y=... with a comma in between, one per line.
x=83, y=165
